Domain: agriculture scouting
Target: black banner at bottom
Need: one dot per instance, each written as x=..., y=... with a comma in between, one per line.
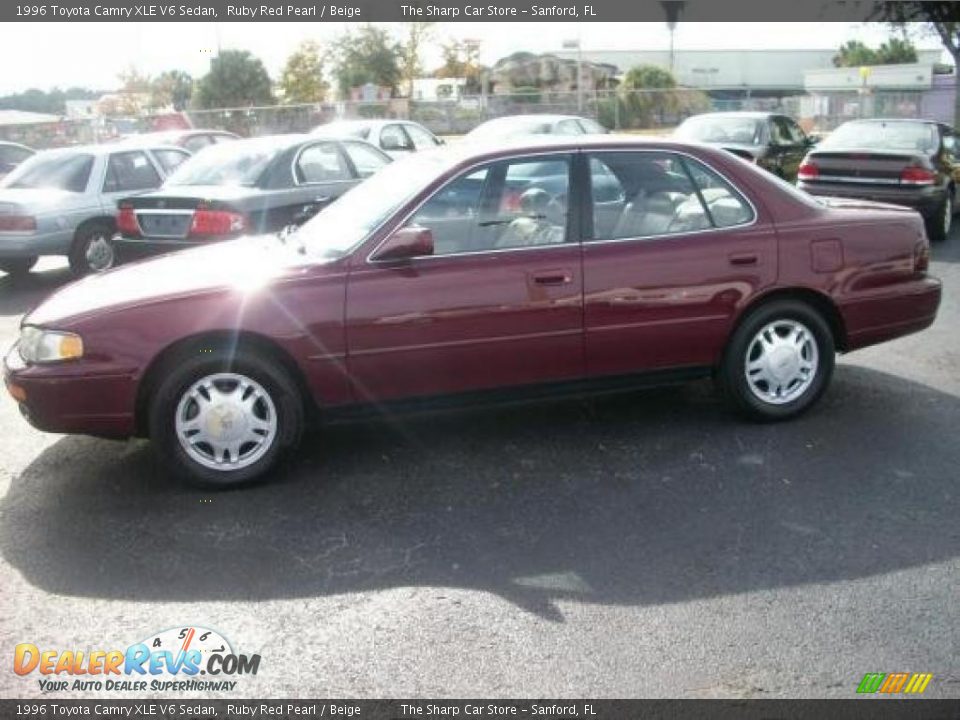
x=859, y=709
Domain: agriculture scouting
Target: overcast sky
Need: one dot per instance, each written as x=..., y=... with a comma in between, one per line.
x=91, y=54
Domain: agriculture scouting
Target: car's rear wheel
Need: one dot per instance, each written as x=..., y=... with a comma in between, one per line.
x=92, y=250
x=18, y=267
x=225, y=419
x=779, y=361
x=941, y=221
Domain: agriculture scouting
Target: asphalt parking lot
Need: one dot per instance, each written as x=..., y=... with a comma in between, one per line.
x=648, y=544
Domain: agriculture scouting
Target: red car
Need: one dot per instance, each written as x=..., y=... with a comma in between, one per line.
x=545, y=267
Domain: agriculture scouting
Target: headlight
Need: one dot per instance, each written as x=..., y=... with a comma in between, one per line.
x=43, y=346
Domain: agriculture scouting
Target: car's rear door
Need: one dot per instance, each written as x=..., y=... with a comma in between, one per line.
x=664, y=278
x=302, y=183
x=499, y=303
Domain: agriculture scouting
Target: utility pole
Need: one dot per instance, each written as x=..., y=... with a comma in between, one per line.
x=673, y=9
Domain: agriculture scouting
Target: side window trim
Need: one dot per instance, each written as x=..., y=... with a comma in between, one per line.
x=587, y=199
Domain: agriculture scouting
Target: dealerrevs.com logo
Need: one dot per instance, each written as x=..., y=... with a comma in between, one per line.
x=178, y=659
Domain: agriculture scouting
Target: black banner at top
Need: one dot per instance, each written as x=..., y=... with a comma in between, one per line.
x=474, y=10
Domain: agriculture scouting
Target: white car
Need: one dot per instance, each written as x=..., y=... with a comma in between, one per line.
x=397, y=138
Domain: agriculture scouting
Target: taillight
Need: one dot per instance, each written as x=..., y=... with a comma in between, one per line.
x=127, y=221
x=917, y=176
x=217, y=222
x=18, y=223
x=808, y=171
x=921, y=257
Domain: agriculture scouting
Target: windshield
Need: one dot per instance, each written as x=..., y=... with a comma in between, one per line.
x=237, y=163
x=56, y=171
x=741, y=130
x=343, y=225
x=881, y=135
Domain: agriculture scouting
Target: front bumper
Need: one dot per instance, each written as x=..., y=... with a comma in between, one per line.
x=72, y=398
x=926, y=200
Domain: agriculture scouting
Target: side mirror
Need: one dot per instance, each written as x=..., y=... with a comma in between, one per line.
x=406, y=243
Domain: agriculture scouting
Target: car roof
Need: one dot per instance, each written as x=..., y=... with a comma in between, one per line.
x=167, y=134
x=758, y=114
x=108, y=148
x=493, y=148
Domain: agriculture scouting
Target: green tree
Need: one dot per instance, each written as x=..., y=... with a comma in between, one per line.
x=647, y=93
x=367, y=55
x=417, y=35
x=461, y=59
x=51, y=101
x=302, y=78
x=236, y=79
x=854, y=53
x=929, y=19
x=172, y=88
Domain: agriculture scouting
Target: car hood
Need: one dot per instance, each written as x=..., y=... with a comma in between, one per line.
x=35, y=199
x=243, y=265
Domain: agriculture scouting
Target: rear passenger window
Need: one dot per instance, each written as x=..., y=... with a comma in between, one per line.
x=726, y=206
x=197, y=142
x=171, y=159
x=321, y=164
x=645, y=194
x=130, y=171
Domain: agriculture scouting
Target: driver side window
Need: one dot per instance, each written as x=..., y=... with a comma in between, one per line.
x=504, y=205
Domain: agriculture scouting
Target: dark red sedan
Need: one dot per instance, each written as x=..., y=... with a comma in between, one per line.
x=546, y=267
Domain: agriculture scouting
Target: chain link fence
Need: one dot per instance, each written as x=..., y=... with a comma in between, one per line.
x=640, y=110
x=655, y=111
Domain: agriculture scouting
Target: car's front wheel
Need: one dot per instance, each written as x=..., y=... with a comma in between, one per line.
x=779, y=361
x=225, y=418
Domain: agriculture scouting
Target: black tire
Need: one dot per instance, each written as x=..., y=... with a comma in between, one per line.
x=936, y=223
x=190, y=367
x=86, y=236
x=18, y=267
x=732, y=375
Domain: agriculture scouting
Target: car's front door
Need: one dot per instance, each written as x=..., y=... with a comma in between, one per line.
x=665, y=276
x=498, y=304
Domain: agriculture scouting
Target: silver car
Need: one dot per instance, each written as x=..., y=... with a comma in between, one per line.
x=63, y=202
x=396, y=138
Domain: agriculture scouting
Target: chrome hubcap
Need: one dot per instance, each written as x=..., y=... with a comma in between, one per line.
x=226, y=421
x=781, y=362
x=99, y=253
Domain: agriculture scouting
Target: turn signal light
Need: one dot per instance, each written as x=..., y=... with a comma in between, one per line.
x=217, y=222
x=127, y=222
x=18, y=223
x=917, y=176
x=921, y=257
x=808, y=171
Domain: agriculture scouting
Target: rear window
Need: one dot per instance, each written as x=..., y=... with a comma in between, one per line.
x=881, y=135
x=740, y=130
x=58, y=171
x=236, y=163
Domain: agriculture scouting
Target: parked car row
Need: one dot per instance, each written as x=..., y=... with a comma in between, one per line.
x=103, y=205
x=908, y=162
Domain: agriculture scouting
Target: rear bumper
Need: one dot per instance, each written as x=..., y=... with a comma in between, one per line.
x=14, y=246
x=128, y=249
x=891, y=314
x=924, y=199
x=65, y=400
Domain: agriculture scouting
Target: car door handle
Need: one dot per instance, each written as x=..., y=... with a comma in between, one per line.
x=743, y=259
x=322, y=199
x=553, y=277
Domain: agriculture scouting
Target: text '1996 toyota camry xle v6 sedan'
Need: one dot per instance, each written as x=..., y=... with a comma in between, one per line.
x=541, y=267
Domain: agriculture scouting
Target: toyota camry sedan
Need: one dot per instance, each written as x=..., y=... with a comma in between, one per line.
x=466, y=273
